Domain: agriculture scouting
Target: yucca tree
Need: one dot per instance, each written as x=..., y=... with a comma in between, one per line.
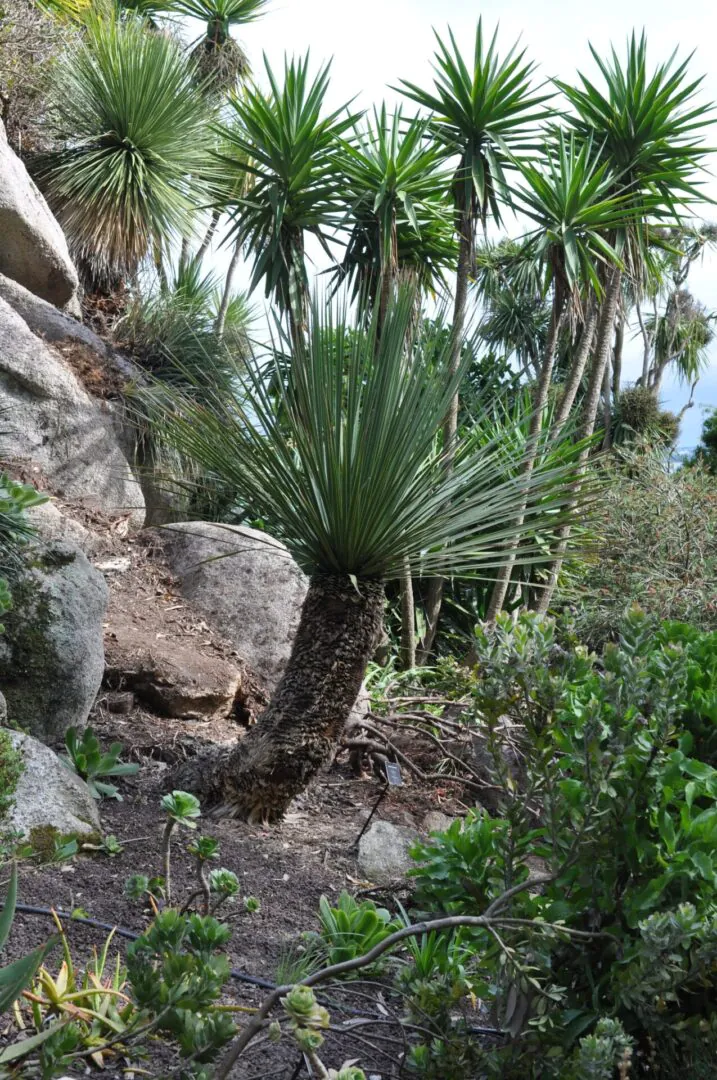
x=650, y=126
x=133, y=127
x=482, y=109
x=288, y=145
x=220, y=58
x=395, y=185
x=344, y=467
x=572, y=201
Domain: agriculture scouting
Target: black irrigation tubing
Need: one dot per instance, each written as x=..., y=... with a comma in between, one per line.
x=132, y=935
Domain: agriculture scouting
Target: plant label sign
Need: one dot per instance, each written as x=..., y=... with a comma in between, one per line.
x=393, y=775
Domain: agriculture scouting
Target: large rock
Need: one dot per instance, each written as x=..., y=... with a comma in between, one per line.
x=49, y=797
x=172, y=677
x=383, y=855
x=51, y=654
x=252, y=594
x=33, y=249
x=54, y=425
x=53, y=526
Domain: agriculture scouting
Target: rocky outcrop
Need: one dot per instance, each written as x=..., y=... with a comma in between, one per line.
x=33, y=249
x=247, y=586
x=45, y=319
x=49, y=801
x=51, y=654
x=55, y=427
x=52, y=525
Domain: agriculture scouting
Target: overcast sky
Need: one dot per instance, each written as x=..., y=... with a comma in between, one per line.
x=375, y=42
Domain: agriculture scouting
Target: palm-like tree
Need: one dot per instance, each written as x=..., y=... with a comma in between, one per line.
x=395, y=186
x=481, y=110
x=288, y=147
x=344, y=467
x=220, y=58
x=133, y=128
x=647, y=125
x=572, y=202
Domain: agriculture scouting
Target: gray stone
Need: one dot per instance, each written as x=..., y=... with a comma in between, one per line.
x=45, y=319
x=49, y=795
x=51, y=654
x=52, y=526
x=252, y=595
x=33, y=250
x=436, y=821
x=54, y=426
x=383, y=855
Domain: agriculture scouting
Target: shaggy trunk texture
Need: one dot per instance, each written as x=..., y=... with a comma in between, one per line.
x=295, y=737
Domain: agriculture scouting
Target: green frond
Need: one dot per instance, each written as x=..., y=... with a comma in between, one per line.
x=343, y=462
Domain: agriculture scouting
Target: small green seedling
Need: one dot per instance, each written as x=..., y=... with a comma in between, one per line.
x=252, y=905
x=224, y=884
x=181, y=808
x=204, y=848
x=85, y=757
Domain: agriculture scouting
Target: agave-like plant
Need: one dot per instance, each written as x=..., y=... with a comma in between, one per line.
x=133, y=129
x=343, y=464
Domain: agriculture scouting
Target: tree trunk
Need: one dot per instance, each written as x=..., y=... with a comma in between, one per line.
x=540, y=399
x=208, y=236
x=296, y=735
x=607, y=406
x=617, y=357
x=450, y=424
x=227, y=294
x=577, y=371
x=587, y=424
x=408, y=620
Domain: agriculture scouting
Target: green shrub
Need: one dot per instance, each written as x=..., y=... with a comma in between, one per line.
x=11, y=769
x=86, y=758
x=617, y=808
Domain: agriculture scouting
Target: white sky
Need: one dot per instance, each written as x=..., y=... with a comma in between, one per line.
x=375, y=42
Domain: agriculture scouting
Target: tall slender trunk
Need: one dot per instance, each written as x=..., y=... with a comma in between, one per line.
x=540, y=399
x=227, y=294
x=607, y=406
x=295, y=737
x=575, y=376
x=434, y=598
x=408, y=620
x=617, y=357
x=605, y=331
x=208, y=236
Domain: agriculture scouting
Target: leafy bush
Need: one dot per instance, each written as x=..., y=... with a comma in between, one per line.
x=616, y=810
x=11, y=768
x=656, y=547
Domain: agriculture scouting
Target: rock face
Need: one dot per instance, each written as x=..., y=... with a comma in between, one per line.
x=45, y=319
x=252, y=596
x=49, y=796
x=33, y=250
x=170, y=677
x=383, y=855
x=54, y=425
x=53, y=526
x=51, y=654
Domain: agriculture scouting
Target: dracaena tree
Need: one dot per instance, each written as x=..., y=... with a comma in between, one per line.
x=395, y=185
x=342, y=462
x=482, y=108
x=574, y=202
x=132, y=134
x=650, y=126
x=287, y=144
